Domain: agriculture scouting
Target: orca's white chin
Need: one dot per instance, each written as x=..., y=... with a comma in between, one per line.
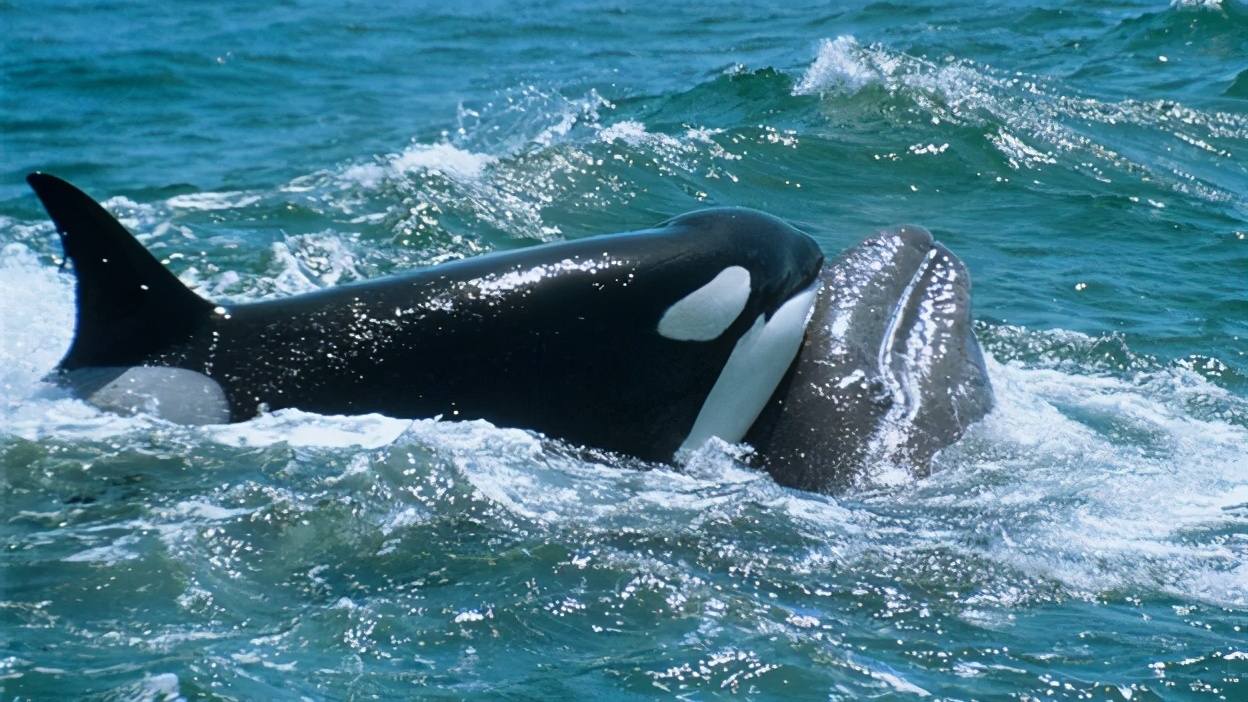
x=754, y=369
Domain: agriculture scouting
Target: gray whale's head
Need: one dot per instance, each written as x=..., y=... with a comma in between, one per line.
x=889, y=372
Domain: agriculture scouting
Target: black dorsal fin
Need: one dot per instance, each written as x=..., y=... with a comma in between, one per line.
x=130, y=307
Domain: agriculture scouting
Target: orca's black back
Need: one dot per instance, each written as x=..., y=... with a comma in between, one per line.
x=560, y=338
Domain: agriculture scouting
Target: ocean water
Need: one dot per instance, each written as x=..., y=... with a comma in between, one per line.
x=1086, y=540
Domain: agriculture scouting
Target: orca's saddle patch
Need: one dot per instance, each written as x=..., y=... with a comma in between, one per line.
x=174, y=394
x=177, y=395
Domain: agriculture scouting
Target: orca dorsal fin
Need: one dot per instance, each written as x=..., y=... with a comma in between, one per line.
x=130, y=307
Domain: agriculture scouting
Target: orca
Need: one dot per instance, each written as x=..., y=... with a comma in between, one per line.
x=640, y=343
x=719, y=323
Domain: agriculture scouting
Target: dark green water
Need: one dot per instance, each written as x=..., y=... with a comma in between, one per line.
x=1087, y=540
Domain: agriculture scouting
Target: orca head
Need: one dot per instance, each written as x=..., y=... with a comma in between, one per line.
x=756, y=292
x=890, y=370
x=779, y=260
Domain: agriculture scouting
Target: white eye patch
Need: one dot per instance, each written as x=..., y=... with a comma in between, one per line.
x=707, y=312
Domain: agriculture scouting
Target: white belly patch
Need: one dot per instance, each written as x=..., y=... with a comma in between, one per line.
x=754, y=369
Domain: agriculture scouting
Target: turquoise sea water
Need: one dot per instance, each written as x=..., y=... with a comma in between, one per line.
x=1087, y=540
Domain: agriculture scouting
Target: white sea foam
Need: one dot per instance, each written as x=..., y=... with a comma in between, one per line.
x=36, y=323
x=442, y=158
x=163, y=687
x=573, y=113
x=306, y=429
x=1105, y=482
x=503, y=193
x=108, y=554
x=635, y=133
x=198, y=509
x=838, y=64
x=211, y=201
x=309, y=262
x=1197, y=5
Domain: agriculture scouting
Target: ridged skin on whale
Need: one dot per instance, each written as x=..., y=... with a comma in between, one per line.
x=889, y=372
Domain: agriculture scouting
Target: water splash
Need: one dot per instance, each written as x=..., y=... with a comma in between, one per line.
x=1031, y=119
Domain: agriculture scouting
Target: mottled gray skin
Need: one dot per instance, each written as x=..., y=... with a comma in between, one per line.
x=890, y=371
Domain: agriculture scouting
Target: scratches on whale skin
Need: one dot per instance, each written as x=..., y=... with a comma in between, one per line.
x=890, y=371
x=931, y=364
